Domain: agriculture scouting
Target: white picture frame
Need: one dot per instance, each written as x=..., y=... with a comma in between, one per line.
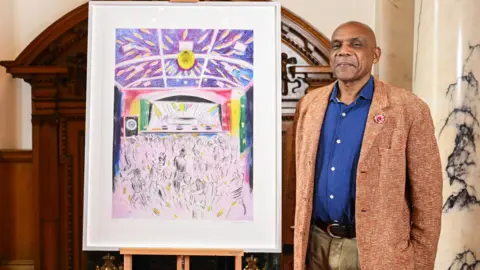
x=110, y=225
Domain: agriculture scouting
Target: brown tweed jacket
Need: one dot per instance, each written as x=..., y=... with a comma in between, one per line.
x=399, y=180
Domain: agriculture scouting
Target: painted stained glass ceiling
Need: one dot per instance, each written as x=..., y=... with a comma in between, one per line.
x=173, y=58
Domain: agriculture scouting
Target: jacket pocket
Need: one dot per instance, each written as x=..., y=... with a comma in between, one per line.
x=392, y=168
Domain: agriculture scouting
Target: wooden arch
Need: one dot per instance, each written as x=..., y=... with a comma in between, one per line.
x=54, y=64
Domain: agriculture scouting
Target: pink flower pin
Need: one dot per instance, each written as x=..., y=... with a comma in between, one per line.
x=379, y=118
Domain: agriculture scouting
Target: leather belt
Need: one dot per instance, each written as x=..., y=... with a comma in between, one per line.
x=336, y=230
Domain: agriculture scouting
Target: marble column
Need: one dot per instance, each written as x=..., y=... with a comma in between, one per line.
x=394, y=30
x=446, y=73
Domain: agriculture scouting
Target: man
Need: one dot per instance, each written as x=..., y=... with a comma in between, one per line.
x=368, y=171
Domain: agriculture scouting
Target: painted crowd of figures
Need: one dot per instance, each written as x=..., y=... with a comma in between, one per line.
x=194, y=174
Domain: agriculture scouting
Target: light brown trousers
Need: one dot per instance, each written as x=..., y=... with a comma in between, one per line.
x=328, y=253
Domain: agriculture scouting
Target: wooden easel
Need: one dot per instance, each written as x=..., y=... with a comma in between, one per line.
x=181, y=254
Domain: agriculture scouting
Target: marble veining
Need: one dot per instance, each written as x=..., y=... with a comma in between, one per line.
x=418, y=40
x=393, y=3
x=465, y=261
x=462, y=162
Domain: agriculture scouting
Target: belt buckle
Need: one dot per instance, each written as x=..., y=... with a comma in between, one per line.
x=330, y=233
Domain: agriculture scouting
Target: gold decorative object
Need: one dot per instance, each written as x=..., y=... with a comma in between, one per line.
x=108, y=265
x=252, y=264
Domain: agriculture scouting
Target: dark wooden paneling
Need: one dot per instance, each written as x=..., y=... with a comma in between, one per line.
x=72, y=145
x=288, y=184
x=288, y=195
x=46, y=176
x=18, y=228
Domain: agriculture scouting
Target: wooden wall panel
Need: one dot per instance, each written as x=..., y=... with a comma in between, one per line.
x=288, y=195
x=72, y=146
x=18, y=214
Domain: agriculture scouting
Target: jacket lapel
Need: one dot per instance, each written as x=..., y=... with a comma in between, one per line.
x=314, y=116
x=372, y=128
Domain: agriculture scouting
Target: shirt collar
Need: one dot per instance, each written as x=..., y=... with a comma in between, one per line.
x=366, y=92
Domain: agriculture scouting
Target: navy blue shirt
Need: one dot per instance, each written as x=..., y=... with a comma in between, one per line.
x=337, y=157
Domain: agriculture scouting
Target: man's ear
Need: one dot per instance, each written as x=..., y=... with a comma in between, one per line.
x=377, y=54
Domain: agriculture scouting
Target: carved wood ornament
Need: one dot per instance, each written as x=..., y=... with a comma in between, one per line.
x=54, y=64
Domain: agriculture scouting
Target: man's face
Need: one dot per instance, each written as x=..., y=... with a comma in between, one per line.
x=353, y=53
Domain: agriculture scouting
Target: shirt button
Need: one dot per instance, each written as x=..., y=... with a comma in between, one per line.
x=333, y=169
x=344, y=114
x=331, y=197
x=339, y=141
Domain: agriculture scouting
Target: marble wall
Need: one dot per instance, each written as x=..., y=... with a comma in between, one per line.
x=446, y=74
x=394, y=24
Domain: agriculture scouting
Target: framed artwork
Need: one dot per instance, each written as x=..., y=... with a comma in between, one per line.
x=183, y=128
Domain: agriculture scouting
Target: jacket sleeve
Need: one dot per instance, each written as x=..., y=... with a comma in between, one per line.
x=425, y=180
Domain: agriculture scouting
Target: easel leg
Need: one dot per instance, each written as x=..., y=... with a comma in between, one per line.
x=238, y=262
x=179, y=262
x=127, y=262
x=183, y=261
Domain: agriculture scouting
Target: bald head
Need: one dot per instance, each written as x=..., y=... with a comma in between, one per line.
x=353, y=51
x=360, y=29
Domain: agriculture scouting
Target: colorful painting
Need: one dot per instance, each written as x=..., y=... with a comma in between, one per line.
x=183, y=124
